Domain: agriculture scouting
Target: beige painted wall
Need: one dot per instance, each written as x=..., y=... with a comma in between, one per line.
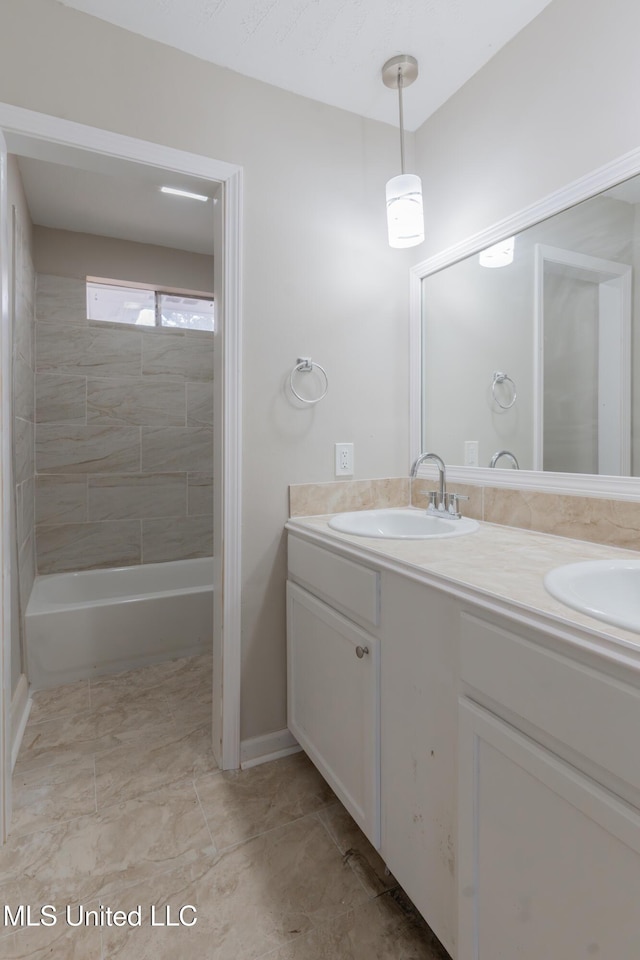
x=557, y=102
x=65, y=253
x=321, y=280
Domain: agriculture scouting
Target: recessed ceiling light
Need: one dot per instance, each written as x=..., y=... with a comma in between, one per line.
x=184, y=193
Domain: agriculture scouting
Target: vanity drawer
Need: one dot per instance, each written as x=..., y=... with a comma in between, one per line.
x=594, y=715
x=350, y=587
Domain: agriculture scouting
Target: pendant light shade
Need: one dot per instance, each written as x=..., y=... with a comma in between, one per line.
x=499, y=255
x=405, y=217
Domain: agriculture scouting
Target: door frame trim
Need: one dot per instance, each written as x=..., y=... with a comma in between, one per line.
x=227, y=652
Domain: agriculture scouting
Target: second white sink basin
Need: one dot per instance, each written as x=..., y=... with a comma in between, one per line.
x=606, y=589
x=401, y=523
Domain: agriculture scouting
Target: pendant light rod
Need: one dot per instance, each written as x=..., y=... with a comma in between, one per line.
x=398, y=73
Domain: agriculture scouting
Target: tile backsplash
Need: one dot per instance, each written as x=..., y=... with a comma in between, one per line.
x=123, y=438
x=309, y=499
x=596, y=519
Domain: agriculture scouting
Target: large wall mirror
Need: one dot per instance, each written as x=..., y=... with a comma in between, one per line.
x=532, y=345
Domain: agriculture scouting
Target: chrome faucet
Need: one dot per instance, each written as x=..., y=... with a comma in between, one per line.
x=439, y=462
x=505, y=453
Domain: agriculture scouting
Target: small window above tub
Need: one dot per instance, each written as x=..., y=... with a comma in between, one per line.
x=146, y=306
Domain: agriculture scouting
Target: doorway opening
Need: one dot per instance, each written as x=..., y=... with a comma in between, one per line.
x=91, y=152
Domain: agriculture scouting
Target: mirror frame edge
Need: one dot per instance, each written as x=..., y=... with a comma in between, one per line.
x=584, y=188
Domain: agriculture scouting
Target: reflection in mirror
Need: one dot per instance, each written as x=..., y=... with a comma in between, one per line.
x=536, y=356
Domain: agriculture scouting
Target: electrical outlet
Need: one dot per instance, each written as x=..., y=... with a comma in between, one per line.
x=344, y=459
x=471, y=453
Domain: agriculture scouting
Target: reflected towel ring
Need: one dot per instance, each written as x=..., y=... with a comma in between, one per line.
x=306, y=365
x=503, y=378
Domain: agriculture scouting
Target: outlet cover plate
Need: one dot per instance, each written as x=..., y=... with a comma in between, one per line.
x=344, y=459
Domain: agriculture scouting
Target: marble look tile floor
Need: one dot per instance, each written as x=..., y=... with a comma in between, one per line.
x=118, y=803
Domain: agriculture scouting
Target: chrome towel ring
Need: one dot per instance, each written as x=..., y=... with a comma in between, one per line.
x=306, y=365
x=499, y=377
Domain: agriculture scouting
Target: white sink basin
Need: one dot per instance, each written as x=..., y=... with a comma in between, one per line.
x=606, y=589
x=401, y=523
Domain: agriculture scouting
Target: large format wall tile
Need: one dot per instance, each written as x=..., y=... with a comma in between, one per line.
x=179, y=539
x=153, y=402
x=61, y=298
x=61, y=399
x=23, y=450
x=23, y=390
x=61, y=499
x=174, y=449
x=87, y=449
x=27, y=569
x=83, y=546
x=132, y=497
x=25, y=504
x=185, y=358
x=124, y=424
x=87, y=350
x=24, y=338
x=200, y=494
x=200, y=404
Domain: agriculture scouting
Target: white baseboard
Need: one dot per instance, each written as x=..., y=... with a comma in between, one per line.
x=271, y=746
x=20, y=709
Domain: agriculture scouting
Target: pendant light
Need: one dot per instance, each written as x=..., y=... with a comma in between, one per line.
x=499, y=255
x=405, y=219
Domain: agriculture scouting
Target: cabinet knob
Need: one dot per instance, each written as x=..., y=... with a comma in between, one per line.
x=360, y=652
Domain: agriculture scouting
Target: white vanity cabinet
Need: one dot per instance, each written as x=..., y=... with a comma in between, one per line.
x=333, y=702
x=548, y=823
x=418, y=755
x=380, y=727
x=333, y=675
x=490, y=753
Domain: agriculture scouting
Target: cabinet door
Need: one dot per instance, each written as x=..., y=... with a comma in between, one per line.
x=333, y=702
x=549, y=861
x=418, y=747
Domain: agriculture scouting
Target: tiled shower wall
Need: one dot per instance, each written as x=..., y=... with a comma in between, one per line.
x=124, y=438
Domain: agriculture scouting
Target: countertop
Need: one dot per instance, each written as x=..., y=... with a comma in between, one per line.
x=502, y=566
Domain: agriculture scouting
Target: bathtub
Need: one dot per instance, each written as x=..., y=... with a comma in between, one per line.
x=95, y=622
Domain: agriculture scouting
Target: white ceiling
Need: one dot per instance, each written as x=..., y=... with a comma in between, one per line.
x=75, y=190
x=328, y=50
x=333, y=50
